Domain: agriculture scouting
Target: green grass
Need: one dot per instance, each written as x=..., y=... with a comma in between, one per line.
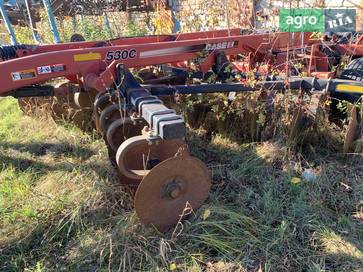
x=62, y=209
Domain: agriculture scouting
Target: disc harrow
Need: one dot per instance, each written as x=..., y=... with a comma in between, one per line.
x=126, y=89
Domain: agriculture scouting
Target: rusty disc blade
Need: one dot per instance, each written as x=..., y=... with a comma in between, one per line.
x=82, y=118
x=101, y=102
x=122, y=179
x=109, y=115
x=98, y=97
x=352, y=132
x=85, y=100
x=33, y=106
x=169, y=188
x=136, y=156
x=296, y=124
x=122, y=129
x=59, y=110
x=126, y=181
x=29, y=105
x=62, y=107
x=104, y=100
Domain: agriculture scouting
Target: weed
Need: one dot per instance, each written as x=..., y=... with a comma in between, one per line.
x=62, y=208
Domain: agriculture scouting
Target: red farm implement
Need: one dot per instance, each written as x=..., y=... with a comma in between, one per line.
x=115, y=83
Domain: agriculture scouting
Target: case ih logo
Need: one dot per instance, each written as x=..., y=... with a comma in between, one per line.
x=220, y=45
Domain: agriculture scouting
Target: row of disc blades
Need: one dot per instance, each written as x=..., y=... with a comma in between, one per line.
x=166, y=178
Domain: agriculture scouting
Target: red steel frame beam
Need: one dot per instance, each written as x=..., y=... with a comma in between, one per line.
x=96, y=66
x=38, y=49
x=350, y=50
x=318, y=65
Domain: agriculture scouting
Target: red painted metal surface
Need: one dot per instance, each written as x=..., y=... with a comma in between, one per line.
x=94, y=67
x=38, y=49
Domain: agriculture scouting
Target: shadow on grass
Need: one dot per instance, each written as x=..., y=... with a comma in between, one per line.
x=57, y=150
x=49, y=238
x=287, y=215
x=41, y=168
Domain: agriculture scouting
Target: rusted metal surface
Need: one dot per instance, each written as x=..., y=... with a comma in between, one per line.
x=110, y=114
x=353, y=131
x=60, y=107
x=63, y=105
x=85, y=100
x=82, y=118
x=33, y=105
x=136, y=156
x=133, y=183
x=179, y=183
x=102, y=100
x=121, y=130
x=304, y=116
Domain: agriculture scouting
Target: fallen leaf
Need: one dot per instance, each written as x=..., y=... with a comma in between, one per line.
x=172, y=267
x=295, y=180
x=206, y=214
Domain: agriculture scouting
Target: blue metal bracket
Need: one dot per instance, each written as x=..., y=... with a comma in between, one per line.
x=107, y=24
x=175, y=9
x=163, y=122
x=52, y=21
x=32, y=24
x=8, y=23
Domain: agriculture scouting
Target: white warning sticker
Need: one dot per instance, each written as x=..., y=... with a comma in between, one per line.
x=49, y=69
x=23, y=75
x=44, y=70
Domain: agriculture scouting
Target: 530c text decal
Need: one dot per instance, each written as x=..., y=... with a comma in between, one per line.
x=121, y=54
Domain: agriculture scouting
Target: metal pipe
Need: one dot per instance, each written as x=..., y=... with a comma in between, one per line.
x=198, y=89
x=293, y=83
x=32, y=23
x=131, y=88
x=52, y=21
x=8, y=23
x=175, y=9
x=107, y=24
x=74, y=23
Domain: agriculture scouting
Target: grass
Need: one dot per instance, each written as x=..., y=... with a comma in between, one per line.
x=62, y=209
